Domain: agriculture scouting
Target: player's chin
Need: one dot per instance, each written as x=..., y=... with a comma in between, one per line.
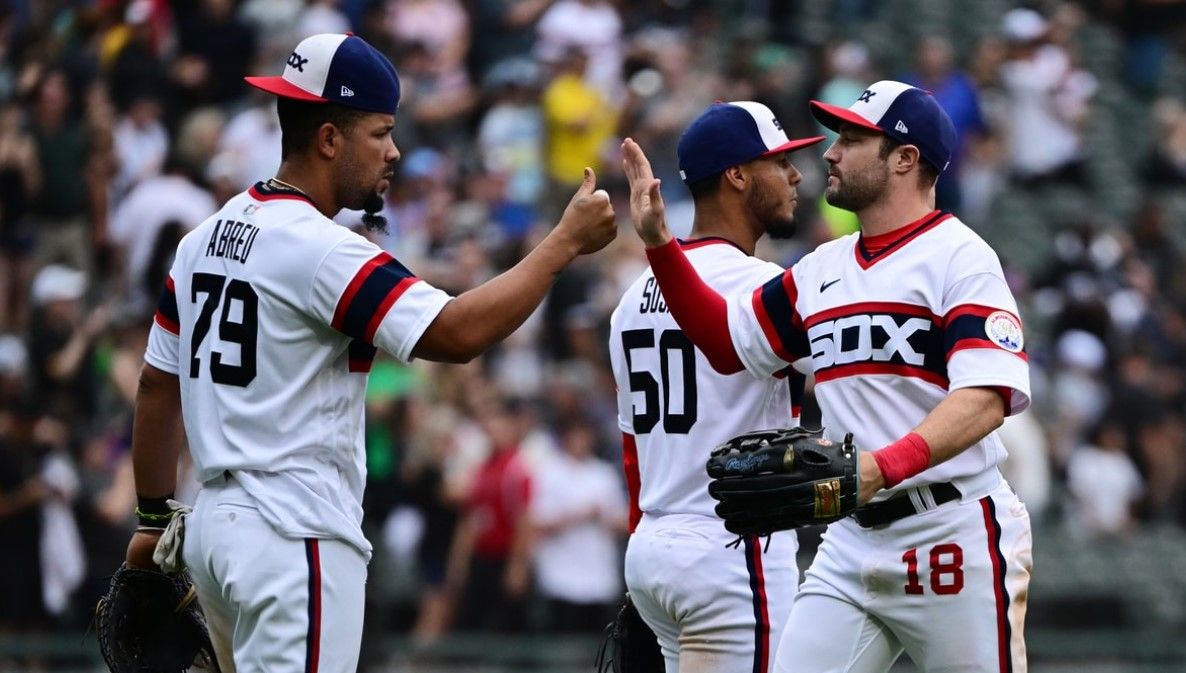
x=372, y=203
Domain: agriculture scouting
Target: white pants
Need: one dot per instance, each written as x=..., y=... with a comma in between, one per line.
x=713, y=608
x=948, y=586
x=272, y=603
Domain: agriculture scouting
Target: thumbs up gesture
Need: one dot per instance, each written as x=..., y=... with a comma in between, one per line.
x=589, y=218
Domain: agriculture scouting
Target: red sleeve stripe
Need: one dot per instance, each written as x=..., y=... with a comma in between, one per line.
x=385, y=306
x=372, y=292
x=977, y=310
x=352, y=289
x=971, y=344
x=774, y=306
x=768, y=330
x=166, y=313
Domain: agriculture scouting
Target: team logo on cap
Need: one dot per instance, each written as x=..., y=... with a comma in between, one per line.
x=1004, y=330
x=295, y=61
x=864, y=97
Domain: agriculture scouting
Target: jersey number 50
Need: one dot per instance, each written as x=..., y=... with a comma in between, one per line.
x=672, y=345
x=240, y=330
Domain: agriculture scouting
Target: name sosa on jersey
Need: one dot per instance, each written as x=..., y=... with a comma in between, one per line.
x=652, y=298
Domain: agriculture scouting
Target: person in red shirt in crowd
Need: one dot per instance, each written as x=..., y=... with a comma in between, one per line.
x=489, y=565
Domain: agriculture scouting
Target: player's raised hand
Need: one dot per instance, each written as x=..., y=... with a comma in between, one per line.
x=589, y=218
x=646, y=203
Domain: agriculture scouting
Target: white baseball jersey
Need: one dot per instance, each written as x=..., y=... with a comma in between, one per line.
x=271, y=319
x=673, y=409
x=891, y=332
x=672, y=406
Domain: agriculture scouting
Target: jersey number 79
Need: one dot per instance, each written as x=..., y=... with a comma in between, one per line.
x=241, y=330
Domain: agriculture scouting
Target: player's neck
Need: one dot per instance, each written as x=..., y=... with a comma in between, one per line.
x=300, y=177
x=894, y=211
x=713, y=220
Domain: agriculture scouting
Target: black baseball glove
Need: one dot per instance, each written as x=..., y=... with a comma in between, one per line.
x=630, y=645
x=150, y=622
x=781, y=479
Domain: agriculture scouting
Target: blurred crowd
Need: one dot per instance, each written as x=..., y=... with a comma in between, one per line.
x=494, y=487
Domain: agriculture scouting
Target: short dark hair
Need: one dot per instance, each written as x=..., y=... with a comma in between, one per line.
x=928, y=174
x=299, y=121
x=705, y=187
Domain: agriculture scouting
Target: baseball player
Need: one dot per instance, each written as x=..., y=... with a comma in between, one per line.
x=713, y=606
x=917, y=350
x=261, y=345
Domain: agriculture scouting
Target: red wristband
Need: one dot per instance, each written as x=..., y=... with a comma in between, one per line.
x=903, y=459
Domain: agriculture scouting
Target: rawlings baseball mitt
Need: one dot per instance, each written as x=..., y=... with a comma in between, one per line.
x=150, y=622
x=775, y=480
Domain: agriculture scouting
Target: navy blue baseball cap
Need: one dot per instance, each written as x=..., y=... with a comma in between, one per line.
x=731, y=134
x=336, y=68
x=903, y=112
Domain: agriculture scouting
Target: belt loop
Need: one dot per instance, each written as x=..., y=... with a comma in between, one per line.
x=915, y=495
x=927, y=497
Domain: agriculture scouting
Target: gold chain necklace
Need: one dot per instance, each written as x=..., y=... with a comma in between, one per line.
x=285, y=184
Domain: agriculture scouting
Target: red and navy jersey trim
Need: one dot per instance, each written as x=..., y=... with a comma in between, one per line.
x=797, y=385
x=370, y=295
x=362, y=356
x=992, y=529
x=633, y=477
x=166, y=310
x=266, y=191
x=757, y=584
x=774, y=307
x=963, y=328
x=867, y=258
x=313, y=633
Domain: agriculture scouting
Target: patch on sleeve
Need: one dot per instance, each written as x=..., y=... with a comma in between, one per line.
x=1004, y=330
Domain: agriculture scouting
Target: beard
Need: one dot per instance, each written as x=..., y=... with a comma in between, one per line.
x=766, y=205
x=365, y=196
x=859, y=189
x=371, y=219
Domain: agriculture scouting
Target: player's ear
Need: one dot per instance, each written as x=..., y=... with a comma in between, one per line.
x=736, y=177
x=328, y=139
x=905, y=158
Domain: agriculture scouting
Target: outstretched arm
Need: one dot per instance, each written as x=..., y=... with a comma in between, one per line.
x=701, y=313
x=483, y=316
